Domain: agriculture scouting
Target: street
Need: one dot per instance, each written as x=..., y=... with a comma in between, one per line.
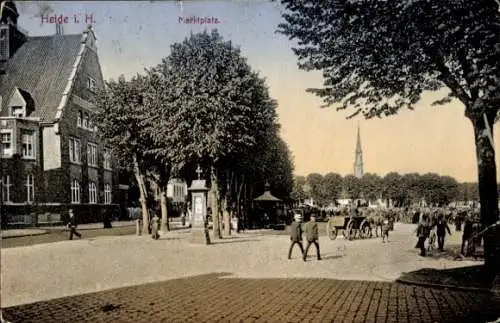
x=133, y=278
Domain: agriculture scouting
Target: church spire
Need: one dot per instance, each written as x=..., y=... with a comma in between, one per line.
x=358, y=159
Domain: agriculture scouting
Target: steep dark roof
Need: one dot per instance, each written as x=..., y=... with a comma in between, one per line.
x=42, y=67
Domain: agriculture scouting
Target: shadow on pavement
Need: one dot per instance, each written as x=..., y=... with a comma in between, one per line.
x=471, y=277
x=329, y=257
x=210, y=299
x=453, y=252
x=228, y=240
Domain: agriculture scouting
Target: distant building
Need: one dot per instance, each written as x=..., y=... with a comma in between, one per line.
x=177, y=190
x=358, y=159
x=51, y=155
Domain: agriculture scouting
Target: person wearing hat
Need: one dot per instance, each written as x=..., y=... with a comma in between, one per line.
x=312, y=236
x=296, y=235
x=72, y=226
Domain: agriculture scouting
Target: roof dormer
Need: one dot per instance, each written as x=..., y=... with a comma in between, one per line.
x=21, y=103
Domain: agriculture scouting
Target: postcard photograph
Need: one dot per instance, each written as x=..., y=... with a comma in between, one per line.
x=250, y=161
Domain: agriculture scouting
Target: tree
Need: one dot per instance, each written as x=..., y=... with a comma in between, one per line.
x=332, y=187
x=371, y=186
x=352, y=186
x=221, y=110
x=392, y=188
x=315, y=181
x=298, y=192
x=379, y=57
x=118, y=117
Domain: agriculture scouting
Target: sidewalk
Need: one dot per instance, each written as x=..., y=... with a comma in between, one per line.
x=14, y=233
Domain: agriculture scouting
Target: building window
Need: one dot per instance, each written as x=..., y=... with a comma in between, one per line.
x=92, y=193
x=91, y=85
x=107, y=158
x=74, y=150
x=28, y=144
x=79, y=119
x=6, y=188
x=85, y=120
x=92, y=154
x=6, y=142
x=75, y=191
x=107, y=194
x=30, y=189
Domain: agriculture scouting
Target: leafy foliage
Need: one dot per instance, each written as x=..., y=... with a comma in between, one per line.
x=380, y=56
x=403, y=190
x=119, y=117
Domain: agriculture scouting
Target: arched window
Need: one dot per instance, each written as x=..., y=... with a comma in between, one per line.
x=107, y=194
x=92, y=193
x=75, y=191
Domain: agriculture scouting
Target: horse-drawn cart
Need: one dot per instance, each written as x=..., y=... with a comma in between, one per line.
x=352, y=227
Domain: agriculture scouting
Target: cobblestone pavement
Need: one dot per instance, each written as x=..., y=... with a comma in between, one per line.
x=210, y=298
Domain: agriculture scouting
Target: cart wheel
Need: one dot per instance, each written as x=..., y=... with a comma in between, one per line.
x=350, y=231
x=365, y=230
x=331, y=231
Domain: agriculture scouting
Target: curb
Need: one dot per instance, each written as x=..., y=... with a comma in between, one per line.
x=25, y=235
x=50, y=230
x=445, y=286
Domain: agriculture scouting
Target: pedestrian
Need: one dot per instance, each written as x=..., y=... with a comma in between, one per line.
x=442, y=228
x=155, y=225
x=422, y=233
x=72, y=225
x=466, y=236
x=296, y=235
x=385, y=230
x=312, y=236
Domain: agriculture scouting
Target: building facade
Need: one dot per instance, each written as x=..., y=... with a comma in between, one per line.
x=51, y=155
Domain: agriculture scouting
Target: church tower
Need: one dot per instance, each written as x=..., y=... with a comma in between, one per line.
x=358, y=159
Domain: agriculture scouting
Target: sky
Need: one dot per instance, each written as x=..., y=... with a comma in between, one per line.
x=136, y=35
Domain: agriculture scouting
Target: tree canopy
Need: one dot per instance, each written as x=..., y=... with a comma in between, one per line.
x=403, y=190
x=380, y=56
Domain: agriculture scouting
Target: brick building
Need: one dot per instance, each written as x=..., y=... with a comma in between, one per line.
x=51, y=155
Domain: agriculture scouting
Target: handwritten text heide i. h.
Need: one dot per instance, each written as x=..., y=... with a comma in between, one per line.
x=86, y=18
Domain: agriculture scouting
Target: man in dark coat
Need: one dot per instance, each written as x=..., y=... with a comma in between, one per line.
x=312, y=236
x=296, y=236
x=442, y=228
x=466, y=236
x=72, y=225
x=422, y=234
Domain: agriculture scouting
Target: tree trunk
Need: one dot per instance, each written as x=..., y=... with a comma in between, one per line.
x=238, y=203
x=142, y=196
x=226, y=217
x=226, y=204
x=164, y=210
x=488, y=194
x=214, y=190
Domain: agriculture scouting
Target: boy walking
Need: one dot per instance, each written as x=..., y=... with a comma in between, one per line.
x=72, y=225
x=312, y=236
x=296, y=236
